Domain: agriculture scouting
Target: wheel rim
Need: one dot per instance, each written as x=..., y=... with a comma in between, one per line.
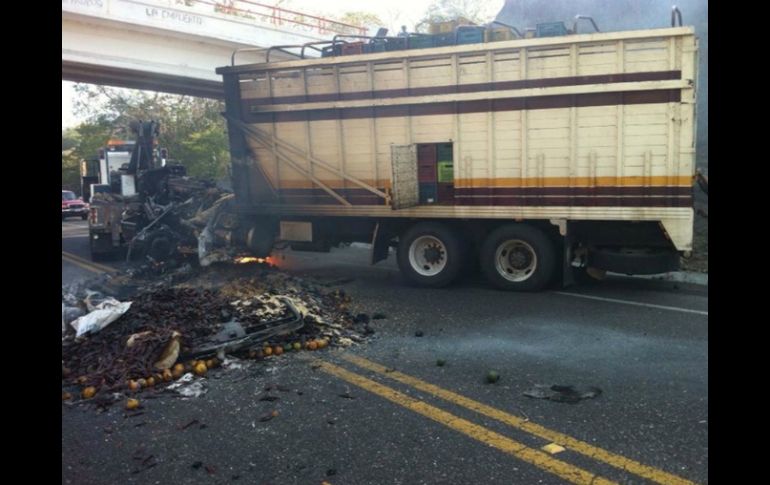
x=515, y=260
x=427, y=256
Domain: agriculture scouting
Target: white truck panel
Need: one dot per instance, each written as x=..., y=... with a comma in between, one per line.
x=529, y=121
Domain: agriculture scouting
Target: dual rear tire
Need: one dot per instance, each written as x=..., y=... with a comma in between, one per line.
x=514, y=257
x=430, y=254
x=518, y=257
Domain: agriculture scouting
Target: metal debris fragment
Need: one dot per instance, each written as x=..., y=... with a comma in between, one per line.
x=569, y=394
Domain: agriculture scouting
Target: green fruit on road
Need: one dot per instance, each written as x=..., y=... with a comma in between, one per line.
x=492, y=376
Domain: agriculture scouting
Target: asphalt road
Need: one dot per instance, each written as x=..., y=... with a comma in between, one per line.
x=385, y=413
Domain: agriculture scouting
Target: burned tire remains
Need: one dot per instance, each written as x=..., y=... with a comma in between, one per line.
x=161, y=245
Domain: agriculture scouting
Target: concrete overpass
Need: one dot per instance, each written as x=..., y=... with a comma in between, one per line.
x=174, y=46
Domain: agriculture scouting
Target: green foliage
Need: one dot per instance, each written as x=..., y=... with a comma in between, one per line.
x=206, y=153
x=70, y=171
x=192, y=129
x=69, y=139
x=445, y=10
x=363, y=19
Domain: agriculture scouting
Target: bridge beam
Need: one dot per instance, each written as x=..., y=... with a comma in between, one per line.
x=174, y=48
x=137, y=79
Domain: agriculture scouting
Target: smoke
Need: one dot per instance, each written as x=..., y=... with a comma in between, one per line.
x=614, y=15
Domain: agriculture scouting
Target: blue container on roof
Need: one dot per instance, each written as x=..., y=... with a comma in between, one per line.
x=469, y=35
x=395, y=43
x=444, y=39
x=551, y=29
x=420, y=41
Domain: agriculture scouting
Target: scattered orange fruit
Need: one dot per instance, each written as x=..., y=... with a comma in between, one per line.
x=66, y=396
x=133, y=385
x=278, y=350
x=167, y=376
x=210, y=363
x=89, y=392
x=312, y=345
x=150, y=381
x=268, y=351
x=200, y=368
x=177, y=373
x=178, y=368
x=132, y=403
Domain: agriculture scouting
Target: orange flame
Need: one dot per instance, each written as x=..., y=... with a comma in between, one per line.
x=252, y=259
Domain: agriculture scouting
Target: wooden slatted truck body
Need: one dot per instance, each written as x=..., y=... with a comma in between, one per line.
x=522, y=156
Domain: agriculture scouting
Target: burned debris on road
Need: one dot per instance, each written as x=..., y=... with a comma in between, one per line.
x=195, y=321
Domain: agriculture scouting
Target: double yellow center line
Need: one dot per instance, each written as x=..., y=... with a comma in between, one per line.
x=536, y=457
x=86, y=264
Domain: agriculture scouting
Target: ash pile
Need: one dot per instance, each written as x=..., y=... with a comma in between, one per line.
x=181, y=331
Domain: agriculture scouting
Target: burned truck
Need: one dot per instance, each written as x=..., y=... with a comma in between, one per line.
x=151, y=209
x=528, y=157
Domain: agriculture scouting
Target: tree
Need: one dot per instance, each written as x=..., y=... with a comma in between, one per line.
x=362, y=19
x=70, y=171
x=70, y=138
x=473, y=10
x=206, y=153
x=80, y=143
x=192, y=129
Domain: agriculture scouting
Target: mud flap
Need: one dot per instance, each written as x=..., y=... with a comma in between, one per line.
x=380, y=246
x=567, y=273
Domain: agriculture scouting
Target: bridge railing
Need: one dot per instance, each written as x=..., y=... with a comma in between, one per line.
x=246, y=9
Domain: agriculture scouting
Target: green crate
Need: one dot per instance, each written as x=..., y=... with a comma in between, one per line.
x=420, y=41
x=499, y=34
x=446, y=172
x=551, y=29
x=395, y=43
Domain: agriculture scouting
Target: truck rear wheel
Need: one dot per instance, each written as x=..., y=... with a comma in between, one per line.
x=518, y=257
x=430, y=254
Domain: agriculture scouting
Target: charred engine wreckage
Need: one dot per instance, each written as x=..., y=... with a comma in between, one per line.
x=157, y=214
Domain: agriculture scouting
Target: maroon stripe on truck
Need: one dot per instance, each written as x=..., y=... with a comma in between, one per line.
x=355, y=196
x=483, y=106
x=470, y=88
x=571, y=191
x=599, y=201
x=545, y=197
x=326, y=199
x=515, y=201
